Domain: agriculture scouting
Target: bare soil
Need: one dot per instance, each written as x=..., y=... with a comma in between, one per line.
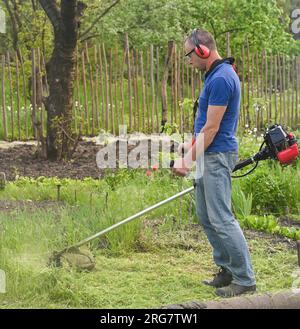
x=21, y=160
x=20, y=205
x=290, y=222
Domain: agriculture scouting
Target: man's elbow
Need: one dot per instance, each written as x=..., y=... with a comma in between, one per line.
x=211, y=130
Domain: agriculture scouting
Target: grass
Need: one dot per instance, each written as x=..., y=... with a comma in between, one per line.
x=155, y=260
x=166, y=267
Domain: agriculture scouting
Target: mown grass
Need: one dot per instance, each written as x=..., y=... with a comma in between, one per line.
x=165, y=265
x=155, y=260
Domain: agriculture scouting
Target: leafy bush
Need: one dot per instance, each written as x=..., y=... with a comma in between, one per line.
x=270, y=224
x=274, y=189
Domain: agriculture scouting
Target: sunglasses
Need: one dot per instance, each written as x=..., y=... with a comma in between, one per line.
x=189, y=54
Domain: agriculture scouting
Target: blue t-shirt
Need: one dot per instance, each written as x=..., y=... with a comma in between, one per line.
x=222, y=88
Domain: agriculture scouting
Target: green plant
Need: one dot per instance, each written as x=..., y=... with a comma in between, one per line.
x=170, y=128
x=242, y=204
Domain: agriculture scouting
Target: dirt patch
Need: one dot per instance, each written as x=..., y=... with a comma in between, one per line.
x=290, y=222
x=22, y=160
x=273, y=238
x=11, y=205
x=194, y=234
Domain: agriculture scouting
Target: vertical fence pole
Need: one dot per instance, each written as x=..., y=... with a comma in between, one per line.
x=86, y=110
x=243, y=87
x=18, y=95
x=106, y=87
x=33, y=86
x=275, y=86
x=12, y=120
x=292, y=69
x=265, y=57
x=152, y=85
x=91, y=87
x=172, y=74
x=297, y=69
x=129, y=80
x=4, y=114
x=288, y=90
x=40, y=93
x=157, y=89
x=143, y=91
x=248, y=85
x=134, y=89
x=96, y=79
x=102, y=87
x=270, y=89
x=112, y=116
x=78, y=104
x=122, y=85
x=175, y=99
x=147, y=90
x=116, y=89
x=281, y=87
x=24, y=95
x=284, y=89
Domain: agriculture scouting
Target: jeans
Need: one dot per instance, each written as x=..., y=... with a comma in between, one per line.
x=213, y=206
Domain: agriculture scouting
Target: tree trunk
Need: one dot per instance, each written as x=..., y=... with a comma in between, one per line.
x=289, y=299
x=61, y=76
x=165, y=82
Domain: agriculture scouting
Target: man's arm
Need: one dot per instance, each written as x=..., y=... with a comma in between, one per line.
x=211, y=127
x=209, y=131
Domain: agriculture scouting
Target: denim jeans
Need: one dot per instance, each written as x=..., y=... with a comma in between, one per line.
x=213, y=205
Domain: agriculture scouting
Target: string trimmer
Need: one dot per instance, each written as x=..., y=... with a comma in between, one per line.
x=278, y=145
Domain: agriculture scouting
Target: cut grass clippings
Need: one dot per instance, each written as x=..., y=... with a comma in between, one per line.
x=164, y=265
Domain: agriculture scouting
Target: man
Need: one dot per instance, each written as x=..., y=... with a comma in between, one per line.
x=217, y=119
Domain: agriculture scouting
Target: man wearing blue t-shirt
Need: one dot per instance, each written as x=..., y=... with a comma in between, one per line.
x=217, y=119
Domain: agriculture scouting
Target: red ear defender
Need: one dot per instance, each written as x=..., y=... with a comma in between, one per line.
x=202, y=51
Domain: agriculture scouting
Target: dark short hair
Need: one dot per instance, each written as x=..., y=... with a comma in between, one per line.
x=203, y=37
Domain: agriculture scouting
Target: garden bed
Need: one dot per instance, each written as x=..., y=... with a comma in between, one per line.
x=21, y=160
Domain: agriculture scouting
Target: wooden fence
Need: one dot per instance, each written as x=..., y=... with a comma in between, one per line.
x=125, y=86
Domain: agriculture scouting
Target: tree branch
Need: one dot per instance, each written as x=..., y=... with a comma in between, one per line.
x=14, y=24
x=33, y=5
x=90, y=37
x=52, y=12
x=16, y=13
x=231, y=30
x=98, y=18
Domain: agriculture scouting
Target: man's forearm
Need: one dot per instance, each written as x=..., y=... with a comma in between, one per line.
x=197, y=149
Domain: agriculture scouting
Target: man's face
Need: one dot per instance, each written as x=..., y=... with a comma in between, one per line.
x=192, y=58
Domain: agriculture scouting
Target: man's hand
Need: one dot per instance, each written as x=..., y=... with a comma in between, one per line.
x=179, y=168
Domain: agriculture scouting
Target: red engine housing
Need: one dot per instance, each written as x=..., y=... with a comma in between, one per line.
x=289, y=155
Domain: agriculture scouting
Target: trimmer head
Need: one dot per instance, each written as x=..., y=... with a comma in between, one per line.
x=73, y=258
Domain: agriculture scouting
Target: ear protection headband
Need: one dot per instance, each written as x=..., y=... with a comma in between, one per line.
x=200, y=50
